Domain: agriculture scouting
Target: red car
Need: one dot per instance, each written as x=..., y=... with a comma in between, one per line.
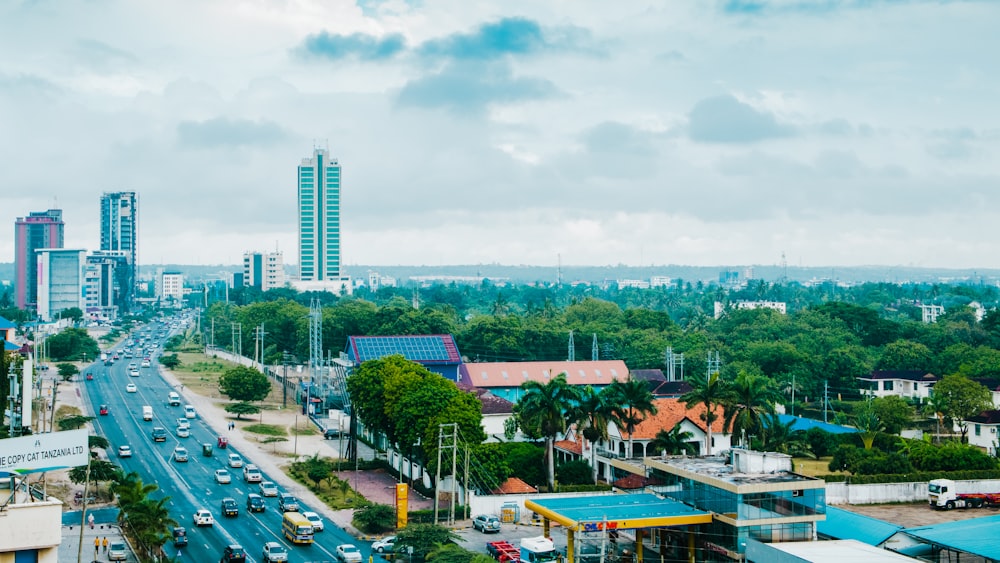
x=90, y=376
x=104, y=410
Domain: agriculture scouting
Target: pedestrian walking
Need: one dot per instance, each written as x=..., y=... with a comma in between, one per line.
x=90, y=520
x=105, y=544
x=97, y=547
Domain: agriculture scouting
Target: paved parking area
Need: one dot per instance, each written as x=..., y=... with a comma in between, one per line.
x=917, y=514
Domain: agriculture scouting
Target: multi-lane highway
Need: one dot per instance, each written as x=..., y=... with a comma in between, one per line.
x=190, y=485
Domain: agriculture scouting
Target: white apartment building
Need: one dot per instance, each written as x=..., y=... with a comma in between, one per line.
x=263, y=270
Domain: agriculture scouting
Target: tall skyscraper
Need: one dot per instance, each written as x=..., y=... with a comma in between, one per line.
x=40, y=229
x=319, y=218
x=119, y=233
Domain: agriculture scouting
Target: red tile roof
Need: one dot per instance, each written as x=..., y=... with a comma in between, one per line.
x=514, y=486
x=571, y=446
x=670, y=412
x=633, y=481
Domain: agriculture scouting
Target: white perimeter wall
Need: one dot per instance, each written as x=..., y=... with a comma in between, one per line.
x=843, y=493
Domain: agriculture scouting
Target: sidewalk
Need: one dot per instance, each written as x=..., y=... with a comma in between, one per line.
x=69, y=547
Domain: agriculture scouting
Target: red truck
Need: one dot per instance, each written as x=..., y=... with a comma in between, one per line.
x=503, y=551
x=943, y=493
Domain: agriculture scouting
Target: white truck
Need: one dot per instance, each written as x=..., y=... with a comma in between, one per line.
x=147, y=413
x=538, y=550
x=943, y=493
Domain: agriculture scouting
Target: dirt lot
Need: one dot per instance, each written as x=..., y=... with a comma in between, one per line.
x=917, y=514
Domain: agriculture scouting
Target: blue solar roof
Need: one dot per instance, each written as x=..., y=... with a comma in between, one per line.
x=807, y=423
x=425, y=349
x=977, y=536
x=843, y=524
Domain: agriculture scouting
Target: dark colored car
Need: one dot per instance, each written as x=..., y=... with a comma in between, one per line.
x=331, y=433
x=104, y=410
x=233, y=554
x=229, y=507
x=159, y=434
x=180, y=537
x=255, y=503
x=288, y=503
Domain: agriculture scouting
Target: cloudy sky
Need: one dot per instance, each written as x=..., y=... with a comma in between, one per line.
x=702, y=132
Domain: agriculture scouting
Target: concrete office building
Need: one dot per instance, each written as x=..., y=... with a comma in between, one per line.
x=105, y=275
x=319, y=225
x=263, y=270
x=60, y=281
x=120, y=233
x=40, y=229
x=169, y=287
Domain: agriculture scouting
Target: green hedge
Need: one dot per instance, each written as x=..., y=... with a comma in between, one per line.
x=600, y=487
x=915, y=477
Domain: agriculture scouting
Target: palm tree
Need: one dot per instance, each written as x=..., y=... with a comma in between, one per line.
x=779, y=437
x=543, y=412
x=631, y=402
x=937, y=405
x=868, y=423
x=130, y=491
x=710, y=391
x=752, y=396
x=593, y=413
x=674, y=442
x=150, y=523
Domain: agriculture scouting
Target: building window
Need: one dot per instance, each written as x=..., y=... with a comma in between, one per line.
x=979, y=430
x=887, y=385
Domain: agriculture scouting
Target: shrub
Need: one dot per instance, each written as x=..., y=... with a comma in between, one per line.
x=576, y=472
x=375, y=518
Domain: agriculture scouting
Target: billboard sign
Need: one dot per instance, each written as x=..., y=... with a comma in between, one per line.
x=43, y=452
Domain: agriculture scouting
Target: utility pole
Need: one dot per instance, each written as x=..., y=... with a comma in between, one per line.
x=571, y=353
x=826, y=399
x=793, y=394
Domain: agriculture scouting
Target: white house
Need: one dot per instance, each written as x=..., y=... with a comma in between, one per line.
x=908, y=384
x=983, y=430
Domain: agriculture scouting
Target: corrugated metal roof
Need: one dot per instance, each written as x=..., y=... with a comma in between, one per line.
x=807, y=423
x=838, y=551
x=513, y=374
x=843, y=524
x=977, y=536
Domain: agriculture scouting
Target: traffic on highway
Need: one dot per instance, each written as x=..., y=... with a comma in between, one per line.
x=167, y=443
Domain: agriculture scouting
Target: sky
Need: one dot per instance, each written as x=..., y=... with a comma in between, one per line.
x=585, y=132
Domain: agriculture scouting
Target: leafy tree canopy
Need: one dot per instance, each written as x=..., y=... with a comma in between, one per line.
x=245, y=384
x=241, y=408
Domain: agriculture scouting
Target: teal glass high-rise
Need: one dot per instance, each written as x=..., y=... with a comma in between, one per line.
x=319, y=217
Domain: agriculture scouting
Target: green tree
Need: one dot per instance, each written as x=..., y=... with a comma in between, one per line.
x=244, y=384
x=150, y=523
x=73, y=422
x=963, y=398
x=868, y=423
x=242, y=408
x=710, y=391
x=375, y=518
x=169, y=361
x=676, y=441
x=894, y=412
x=67, y=371
x=72, y=313
x=423, y=538
x=576, y=472
x=100, y=471
x=71, y=345
x=780, y=437
x=593, y=412
x=542, y=412
x=905, y=355
x=99, y=442
x=631, y=402
x=751, y=397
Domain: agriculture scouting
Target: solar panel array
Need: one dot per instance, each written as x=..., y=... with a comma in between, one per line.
x=414, y=348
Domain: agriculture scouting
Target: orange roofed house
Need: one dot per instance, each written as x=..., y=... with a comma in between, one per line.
x=504, y=379
x=670, y=413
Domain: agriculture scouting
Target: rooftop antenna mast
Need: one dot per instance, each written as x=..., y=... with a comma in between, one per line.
x=571, y=353
x=595, y=353
x=559, y=269
x=784, y=268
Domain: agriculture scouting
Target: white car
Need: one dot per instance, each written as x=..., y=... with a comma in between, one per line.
x=384, y=545
x=145, y=363
x=268, y=489
x=235, y=460
x=251, y=474
x=348, y=553
x=189, y=411
x=180, y=454
x=316, y=520
x=183, y=423
x=203, y=518
x=124, y=451
x=274, y=552
x=131, y=388
x=183, y=432
x=133, y=372
x=223, y=477
x=117, y=552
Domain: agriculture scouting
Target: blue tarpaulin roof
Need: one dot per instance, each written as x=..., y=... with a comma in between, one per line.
x=977, y=536
x=10, y=346
x=807, y=423
x=843, y=524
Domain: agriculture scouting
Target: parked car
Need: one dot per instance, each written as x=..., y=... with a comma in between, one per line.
x=288, y=502
x=233, y=554
x=229, y=507
x=316, y=520
x=235, y=461
x=331, y=433
x=117, y=551
x=180, y=454
x=255, y=503
x=124, y=451
x=131, y=388
x=268, y=489
x=223, y=477
x=486, y=523
x=274, y=552
x=251, y=474
x=384, y=545
x=203, y=518
x=348, y=553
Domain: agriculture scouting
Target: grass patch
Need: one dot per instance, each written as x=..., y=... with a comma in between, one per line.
x=65, y=411
x=814, y=467
x=304, y=428
x=266, y=429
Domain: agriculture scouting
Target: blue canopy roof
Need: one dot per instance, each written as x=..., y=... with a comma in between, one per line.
x=10, y=346
x=977, y=536
x=843, y=524
x=807, y=423
x=5, y=324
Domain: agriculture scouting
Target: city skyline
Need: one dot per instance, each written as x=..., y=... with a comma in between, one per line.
x=712, y=132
